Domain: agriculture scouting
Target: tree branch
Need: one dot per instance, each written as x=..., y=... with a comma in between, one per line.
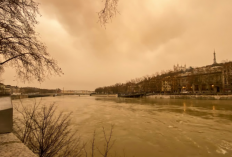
x=13, y=58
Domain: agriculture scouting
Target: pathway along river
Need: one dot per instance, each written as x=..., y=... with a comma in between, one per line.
x=149, y=127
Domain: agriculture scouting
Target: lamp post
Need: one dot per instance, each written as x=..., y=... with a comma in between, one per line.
x=213, y=88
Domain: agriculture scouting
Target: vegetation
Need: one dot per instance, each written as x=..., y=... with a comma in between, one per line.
x=19, y=44
x=44, y=132
x=20, y=47
x=191, y=79
x=108, y=12
x=49, y=133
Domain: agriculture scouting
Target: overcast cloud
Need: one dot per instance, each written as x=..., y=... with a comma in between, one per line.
x=146, y=37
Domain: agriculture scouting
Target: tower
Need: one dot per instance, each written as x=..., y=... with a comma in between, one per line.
x=214, y=60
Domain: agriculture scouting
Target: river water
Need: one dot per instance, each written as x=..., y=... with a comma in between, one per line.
x=149, y=127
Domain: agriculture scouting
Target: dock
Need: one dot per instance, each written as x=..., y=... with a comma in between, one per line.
x=136, y=95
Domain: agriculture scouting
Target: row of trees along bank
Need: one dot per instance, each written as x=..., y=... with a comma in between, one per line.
x=207, y=79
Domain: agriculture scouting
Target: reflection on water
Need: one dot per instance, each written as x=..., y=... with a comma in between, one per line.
x=184, y=107
x=199, y=108
x=149, y=127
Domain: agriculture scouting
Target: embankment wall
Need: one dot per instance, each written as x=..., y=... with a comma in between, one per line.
x=203, y=97
x=11, y=146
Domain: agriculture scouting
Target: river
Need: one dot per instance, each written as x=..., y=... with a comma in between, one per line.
x=149, y=127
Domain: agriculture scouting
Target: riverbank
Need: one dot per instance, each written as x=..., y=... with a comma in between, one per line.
x=11, y=146
x=202, y=97
x=13, y=97
x=105, y=95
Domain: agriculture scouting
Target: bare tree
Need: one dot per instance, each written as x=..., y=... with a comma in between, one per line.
x=108, y=142
x=19, y=44
x=46, y=132
x=108, y=12
x=1, y=71
x=23, y=123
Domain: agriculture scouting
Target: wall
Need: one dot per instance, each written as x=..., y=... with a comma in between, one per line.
x=204, y=97
x=11, y=146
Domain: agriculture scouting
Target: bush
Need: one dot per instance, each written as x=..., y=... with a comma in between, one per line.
x=48, y=132
x=45, y=132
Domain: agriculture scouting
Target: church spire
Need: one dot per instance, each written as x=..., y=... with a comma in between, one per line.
x=214, y=60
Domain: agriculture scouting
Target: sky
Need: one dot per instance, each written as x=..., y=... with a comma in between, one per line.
x=145, y=37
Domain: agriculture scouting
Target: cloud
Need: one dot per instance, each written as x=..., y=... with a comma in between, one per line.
x=145, y=37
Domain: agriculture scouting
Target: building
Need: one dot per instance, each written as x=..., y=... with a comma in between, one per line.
x=209, y=79
x=166, y=87
x=15, y=90
x=227, y=77
x=179, y=68
x=214, y=78
x=4, y=89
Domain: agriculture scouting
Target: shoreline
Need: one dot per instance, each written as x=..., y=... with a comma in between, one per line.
x=104, y=95
x=200, y=97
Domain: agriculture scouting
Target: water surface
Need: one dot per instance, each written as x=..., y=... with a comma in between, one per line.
x=149, y=127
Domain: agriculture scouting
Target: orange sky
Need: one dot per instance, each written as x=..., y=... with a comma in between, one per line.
x=146, y=37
